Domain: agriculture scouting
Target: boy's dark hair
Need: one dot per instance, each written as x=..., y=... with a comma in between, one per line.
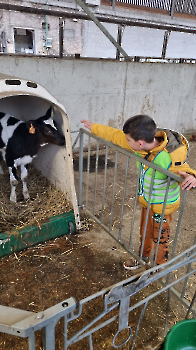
x=140, y=127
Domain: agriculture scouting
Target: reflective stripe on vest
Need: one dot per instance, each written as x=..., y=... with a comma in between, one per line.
x=159, y=187
x=159, y=190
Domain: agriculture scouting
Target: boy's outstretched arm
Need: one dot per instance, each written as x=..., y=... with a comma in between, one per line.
x=87, y=124
x=107, y=133
x=189, y=181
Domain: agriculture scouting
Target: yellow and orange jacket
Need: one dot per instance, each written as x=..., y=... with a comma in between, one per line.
x=166, y=154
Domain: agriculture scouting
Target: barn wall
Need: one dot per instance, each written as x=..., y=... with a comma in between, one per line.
x=109, y=92
x=15, y=19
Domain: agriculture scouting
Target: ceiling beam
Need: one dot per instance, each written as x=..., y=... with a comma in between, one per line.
x=72, y=13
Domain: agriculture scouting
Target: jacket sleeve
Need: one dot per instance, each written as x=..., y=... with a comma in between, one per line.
x=184, y=167
x=178, y=162
x=110, y=134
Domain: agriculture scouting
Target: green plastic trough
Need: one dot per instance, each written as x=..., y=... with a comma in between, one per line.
x=182, y=336
x=16, y=240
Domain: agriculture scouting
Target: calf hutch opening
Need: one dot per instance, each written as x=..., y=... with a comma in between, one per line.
x=52, y=209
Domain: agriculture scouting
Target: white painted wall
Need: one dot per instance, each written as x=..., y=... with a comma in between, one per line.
x=109, y=92
x=95, y=43
x=140, y=41
x=136, y=41
x=181, y=45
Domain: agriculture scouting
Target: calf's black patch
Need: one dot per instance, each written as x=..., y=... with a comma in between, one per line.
x=12, y=121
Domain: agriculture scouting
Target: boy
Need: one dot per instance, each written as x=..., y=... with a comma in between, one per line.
x=140, y=135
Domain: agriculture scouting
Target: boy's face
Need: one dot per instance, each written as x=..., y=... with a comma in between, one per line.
x=135, y=145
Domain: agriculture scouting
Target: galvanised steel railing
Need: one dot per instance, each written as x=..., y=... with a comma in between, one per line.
x=102, y=207
x=116, y=306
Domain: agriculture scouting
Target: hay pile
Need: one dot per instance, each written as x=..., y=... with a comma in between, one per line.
x=45, y=201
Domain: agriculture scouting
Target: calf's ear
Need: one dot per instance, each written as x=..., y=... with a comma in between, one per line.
x=48, y=113
x=31, y=126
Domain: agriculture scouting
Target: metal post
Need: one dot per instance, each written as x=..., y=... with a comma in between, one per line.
x=104, y=184
x=135, y=206
x=113, y=192
x=96, y=171
x=113, y=4
x=147, y=213
x=161, y=223
x=138, y=326
x=61, y=25
x=172, y=8
x=49, y=336
x=165, y=42
x=123, y=200
x=31, y=341
x=191, y=306
x=80, y=169
x=88, y=170
x=119, y=40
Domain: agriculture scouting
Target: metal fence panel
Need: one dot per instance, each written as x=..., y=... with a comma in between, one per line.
x=103, y=213
x=117, y=306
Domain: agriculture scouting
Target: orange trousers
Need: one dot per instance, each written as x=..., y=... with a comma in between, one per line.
x=151, y=238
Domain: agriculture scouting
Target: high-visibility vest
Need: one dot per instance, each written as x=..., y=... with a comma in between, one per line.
x=159, y=182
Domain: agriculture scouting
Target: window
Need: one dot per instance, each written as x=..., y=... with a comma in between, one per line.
x=24, y=40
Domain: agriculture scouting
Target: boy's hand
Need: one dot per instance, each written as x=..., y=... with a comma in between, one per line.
x=87, y=124
x=189, y=181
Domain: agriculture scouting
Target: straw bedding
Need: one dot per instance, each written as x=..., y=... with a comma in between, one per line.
x=45, y=201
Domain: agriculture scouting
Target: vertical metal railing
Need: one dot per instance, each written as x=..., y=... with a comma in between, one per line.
x=123, y=199
x=147, y=214
x=162, y=217
x=113, y=192
x=104, y=186
x=135, y=206
x=99, y=214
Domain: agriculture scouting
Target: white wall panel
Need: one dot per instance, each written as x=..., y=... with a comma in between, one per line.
x=139, y=41
x=109, y=92
x=95, y=43
x=181, y=45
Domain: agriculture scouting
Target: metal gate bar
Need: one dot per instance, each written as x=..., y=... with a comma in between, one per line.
x=113, y=192
x=135, y=205
x=147, y=214
x=123, y=200
x=104, y=187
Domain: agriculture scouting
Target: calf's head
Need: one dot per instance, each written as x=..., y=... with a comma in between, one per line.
x=47, y=129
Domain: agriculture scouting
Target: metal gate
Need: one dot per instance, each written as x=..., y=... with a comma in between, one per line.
x=115, y=307
x=123, y=306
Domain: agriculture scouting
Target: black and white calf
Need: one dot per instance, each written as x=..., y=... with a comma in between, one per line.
x=20, y=142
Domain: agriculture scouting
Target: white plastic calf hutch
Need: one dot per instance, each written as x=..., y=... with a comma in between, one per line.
x=28, y=100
